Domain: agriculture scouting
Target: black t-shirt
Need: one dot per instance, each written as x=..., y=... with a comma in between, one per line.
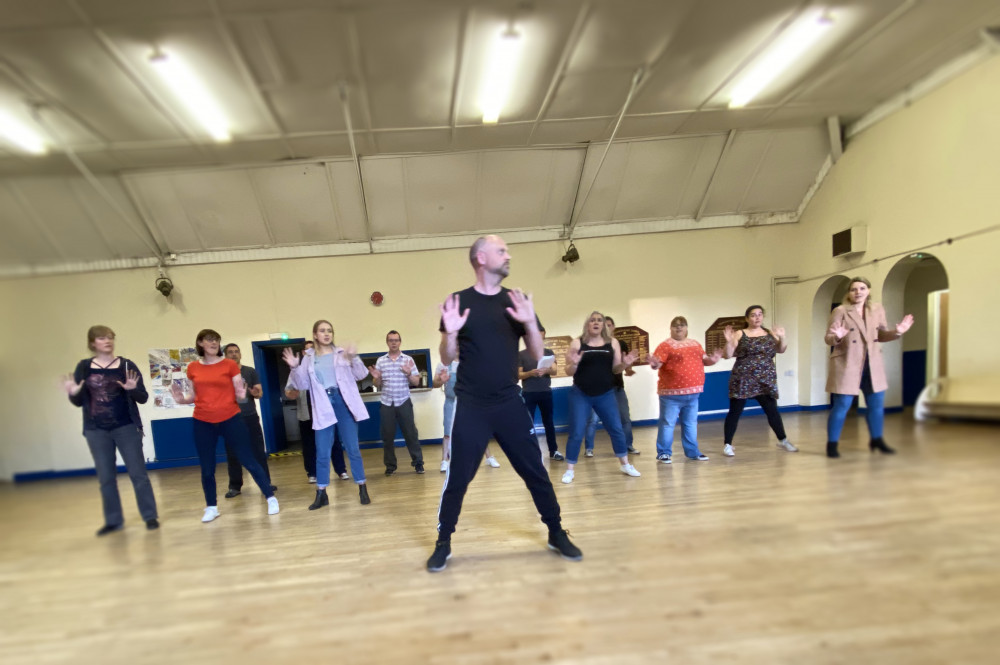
x=249, y=375
x=487, y=348
x=593, y=375
x=534, y=384
x=620, y=378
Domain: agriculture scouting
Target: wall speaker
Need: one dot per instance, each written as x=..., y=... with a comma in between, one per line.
x=850, y=241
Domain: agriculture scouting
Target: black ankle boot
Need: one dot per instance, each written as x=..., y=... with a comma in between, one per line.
x=363, y=492
x=879, y=445
x=831, y=449
x=321, y=500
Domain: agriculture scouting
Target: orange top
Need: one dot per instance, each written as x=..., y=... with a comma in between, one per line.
x=682, y=371
x=214, y=394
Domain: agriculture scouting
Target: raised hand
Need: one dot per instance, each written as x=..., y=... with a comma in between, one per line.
x=241, y=389
x=716, y=356
x=730, y=334
x=905, y=324
x=71, y=387
x=523, y=309
x=376, y=374
x=178, y=393
x=838, y=330
x=630, y=357
x=450, y=316
x=654, y=362
x=131, y=381
x=779, y=331
x=290, y=357
x=350, y=350
x=408, y=366
x=573, y=357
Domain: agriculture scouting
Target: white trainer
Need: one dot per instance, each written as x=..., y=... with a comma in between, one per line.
x=444, y=465
x=589, y=453
x=492, y=461
x=344, y=476
x=211, y=512
x=702, y=458
x=785, y=444
x=312, y=480
x=630, y=470
x=568, y=477
x=272, y=506
x=728, y=451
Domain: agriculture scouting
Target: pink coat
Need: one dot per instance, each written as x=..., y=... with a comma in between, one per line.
x=349, y=372
x=864, y=337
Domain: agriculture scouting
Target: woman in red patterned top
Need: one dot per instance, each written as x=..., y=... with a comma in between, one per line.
x=216, y=384
x=681, y=362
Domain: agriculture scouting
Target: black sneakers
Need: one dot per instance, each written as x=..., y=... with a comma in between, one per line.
x=109, y=528
x=559, y=542
x=439, y=560
x=557, y=456
x=152, y=524
x=233, y=492
x=420, y=468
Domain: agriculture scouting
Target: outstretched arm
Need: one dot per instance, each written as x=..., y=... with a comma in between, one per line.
x=452, y=321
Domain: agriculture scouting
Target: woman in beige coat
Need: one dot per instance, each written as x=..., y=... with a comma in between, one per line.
x=855, y=331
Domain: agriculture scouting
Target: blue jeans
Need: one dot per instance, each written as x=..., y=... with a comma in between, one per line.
x=606, y=406
x=626, y=420
x=875, y=413
x=347, y=427
x=672, y=408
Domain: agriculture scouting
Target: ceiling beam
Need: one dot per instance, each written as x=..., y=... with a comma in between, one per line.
x=346, y=106
x=572, y=39
x=456, y=84
x=360, y=82
x=715, y=173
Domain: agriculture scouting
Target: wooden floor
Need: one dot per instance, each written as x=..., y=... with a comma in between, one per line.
x=768, y=557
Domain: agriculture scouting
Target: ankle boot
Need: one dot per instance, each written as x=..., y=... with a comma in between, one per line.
x=321, y=500
x=879, y=445
x=363, y=492
x=831, y=449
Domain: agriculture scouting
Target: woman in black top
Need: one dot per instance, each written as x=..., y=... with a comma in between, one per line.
x=592, y=360
x=109, y=389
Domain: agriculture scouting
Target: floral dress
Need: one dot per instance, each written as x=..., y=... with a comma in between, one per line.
x=754, y=372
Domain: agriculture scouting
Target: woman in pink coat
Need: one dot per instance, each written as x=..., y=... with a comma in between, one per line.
x=855, y=331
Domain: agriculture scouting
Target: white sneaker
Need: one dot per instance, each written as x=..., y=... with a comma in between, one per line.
x=211, y=512
x=629, y=470
x=785, y=444
x=344, y=476
x=589, y=453
x=664, y=458
x=444, y=465
x=312, y=480
x=728, y=451
x=492, y=461
x=702, y=458
x=568, y=477
x=272, y=506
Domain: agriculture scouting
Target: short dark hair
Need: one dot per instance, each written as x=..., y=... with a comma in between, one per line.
x=393, y=332
x=207, y=333
x=226, y=347
x=608, y=318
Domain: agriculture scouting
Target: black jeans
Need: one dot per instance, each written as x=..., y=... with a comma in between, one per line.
x=542, y=400
x=389, y=417
x=770, y=406
x=128, y=440
x=234, y=433
x=509, y=424
x=259, y=453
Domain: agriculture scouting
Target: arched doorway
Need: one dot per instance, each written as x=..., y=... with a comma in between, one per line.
x=829, y=294
x=917, y=285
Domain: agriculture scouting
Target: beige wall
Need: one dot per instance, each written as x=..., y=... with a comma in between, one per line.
x=926, y=173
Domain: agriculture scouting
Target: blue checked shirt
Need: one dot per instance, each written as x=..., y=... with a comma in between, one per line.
x=395, y=384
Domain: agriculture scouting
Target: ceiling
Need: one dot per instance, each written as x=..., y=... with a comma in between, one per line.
x=299, y=79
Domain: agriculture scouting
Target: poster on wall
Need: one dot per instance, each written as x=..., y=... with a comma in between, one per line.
x=168, y=367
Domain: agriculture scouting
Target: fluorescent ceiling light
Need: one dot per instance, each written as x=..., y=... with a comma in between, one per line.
x=786, y=49
x=192, y=92
x=21, y=136
x=504, y=54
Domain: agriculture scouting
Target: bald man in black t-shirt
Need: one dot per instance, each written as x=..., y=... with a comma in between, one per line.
x=484, y=323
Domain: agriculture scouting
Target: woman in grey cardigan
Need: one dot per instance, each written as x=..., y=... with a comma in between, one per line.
x=109, y=389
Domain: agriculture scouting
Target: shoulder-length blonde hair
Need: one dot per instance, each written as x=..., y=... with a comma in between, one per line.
x=847, y=296
x=605, y=335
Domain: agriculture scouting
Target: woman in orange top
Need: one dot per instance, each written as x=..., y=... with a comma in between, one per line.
x=216, y=384
x=681, y=362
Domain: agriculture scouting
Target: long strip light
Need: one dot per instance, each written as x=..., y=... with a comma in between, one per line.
x=189, y=89
x=22, y=136
x=791, y=44
x=499, y=78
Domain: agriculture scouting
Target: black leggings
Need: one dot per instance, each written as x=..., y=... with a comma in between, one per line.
x=770, y=406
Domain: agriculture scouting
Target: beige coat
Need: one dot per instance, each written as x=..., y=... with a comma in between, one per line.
x=847, y=360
